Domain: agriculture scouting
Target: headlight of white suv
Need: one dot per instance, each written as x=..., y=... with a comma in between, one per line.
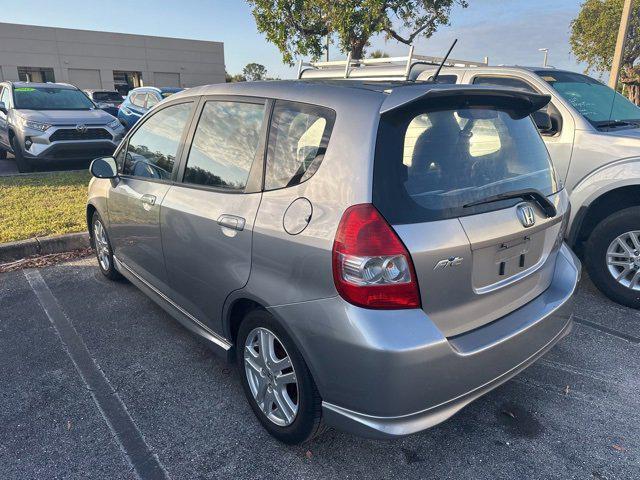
x=114, y=124
x=43, y=127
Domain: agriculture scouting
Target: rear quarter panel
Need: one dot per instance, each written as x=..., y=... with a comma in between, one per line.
x=97, y=194
x=295, y=268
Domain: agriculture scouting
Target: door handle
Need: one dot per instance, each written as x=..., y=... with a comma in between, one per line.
x=148, y=199
x=231, y=221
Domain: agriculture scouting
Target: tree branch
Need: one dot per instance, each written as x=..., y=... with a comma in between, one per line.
x=411, y=37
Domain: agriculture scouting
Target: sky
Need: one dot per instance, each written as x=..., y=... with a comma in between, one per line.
x=507, y=31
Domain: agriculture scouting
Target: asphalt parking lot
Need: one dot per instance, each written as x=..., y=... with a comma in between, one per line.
x=574, y=414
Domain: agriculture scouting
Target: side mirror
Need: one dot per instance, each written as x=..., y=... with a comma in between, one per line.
x=3, y=108
x=543, y=121
x=104, y=167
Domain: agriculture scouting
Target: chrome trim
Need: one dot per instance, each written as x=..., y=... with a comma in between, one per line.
x=514, y=278
x=217, y=339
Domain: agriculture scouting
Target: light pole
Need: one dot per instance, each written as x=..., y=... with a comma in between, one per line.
x=622, y=39
x=546, y=56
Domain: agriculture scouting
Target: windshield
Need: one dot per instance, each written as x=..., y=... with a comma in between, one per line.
x=107, y=97
x=50, y=98
x=432, y=165
x=599, y=104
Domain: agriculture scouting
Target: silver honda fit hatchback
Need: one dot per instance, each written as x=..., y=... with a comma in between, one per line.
x=373, y=256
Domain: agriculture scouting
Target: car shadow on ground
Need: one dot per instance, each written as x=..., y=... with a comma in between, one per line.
x=572, y=414
x=8, y=166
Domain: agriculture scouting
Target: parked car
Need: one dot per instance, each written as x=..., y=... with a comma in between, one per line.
x=141, y=100
x=45, y=122
x=363, y=271
x=593, y=136
x=107, y=100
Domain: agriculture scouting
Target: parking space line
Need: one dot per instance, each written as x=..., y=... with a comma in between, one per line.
x=610, y=331
x=140, y=456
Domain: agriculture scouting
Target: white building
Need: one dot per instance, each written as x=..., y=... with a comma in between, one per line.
x=106, y=60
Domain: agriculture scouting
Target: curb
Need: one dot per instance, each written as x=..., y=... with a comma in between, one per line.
x=43, y=246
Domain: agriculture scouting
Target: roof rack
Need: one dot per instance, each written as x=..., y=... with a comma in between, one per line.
x=350, y=65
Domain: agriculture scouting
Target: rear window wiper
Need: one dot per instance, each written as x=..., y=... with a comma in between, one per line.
x=531, y=195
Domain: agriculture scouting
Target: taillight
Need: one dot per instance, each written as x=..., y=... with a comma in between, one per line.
x=371, y=266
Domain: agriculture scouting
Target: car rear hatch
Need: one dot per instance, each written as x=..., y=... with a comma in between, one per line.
x=465, y=180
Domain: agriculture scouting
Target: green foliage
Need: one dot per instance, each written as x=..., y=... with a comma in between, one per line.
x=379, y=54
x=297, y=27
x=254, y=71
x=595, y=30
x=44, y=204
x=238, y=77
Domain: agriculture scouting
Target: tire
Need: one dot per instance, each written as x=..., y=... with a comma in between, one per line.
x=22, y=163
x=307, y=421
x=104, y=252
x=596, y=256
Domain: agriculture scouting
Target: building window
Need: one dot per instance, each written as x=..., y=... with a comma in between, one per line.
x=36, y=74
x=125, y=81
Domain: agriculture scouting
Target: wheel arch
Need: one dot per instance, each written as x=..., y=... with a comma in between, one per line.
x=238, y=305
x=235, y=313
x=589, y=216
x=91, y=209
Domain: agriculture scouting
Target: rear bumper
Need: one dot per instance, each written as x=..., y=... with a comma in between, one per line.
x=390, y=373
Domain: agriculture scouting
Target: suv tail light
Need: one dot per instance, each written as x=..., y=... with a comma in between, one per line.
x=371, y=266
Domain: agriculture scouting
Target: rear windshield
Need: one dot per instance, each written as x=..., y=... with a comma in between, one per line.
x=50, y=98
x=107, y=97
x=430, y=165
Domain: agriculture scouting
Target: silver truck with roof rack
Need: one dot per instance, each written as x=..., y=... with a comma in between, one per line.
x=591, y=132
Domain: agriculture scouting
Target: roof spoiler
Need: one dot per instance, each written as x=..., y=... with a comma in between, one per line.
x=519, y=102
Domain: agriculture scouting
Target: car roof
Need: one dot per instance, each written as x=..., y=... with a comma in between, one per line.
x=100, y=90
x=144, y=89
x=383, y=96
x=65, y=86
x=156, y=89
x=505, y=67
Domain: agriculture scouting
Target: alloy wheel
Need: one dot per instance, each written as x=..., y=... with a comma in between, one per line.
x=271, y=376
x=623, y=259
x=102, y=245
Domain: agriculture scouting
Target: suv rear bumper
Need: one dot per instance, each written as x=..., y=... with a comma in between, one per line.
x=389, y=373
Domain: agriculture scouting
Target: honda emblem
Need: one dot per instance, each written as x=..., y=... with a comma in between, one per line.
x=526, y=215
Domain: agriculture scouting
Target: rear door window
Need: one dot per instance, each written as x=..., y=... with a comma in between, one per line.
x=444, y=79
x=152, y=149
x=431, y=165
x=298, y=140
x=509, y=82
x=138, y=99
x=152, y=100
x=225, y=145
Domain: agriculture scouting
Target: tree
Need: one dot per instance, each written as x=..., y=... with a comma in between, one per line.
x=297, y=27
x=379, y=54
x=594, y=33
x=238, y=77
x=254, y=71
